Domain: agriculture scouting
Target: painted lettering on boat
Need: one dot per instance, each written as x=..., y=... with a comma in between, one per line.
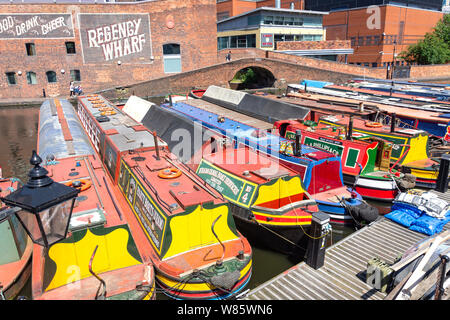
x=231, y=187
x=151, y=220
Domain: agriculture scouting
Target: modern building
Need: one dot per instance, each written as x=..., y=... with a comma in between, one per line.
x=264, y=27
x=231, y=8
x=46, y=44
x=379, y=34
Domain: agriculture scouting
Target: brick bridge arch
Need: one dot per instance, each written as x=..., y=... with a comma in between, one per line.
x=266, y=76
x=285, y=69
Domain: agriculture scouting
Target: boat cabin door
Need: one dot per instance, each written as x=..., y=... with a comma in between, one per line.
x=384, y=155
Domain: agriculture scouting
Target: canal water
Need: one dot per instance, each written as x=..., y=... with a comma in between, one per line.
x=18, y=130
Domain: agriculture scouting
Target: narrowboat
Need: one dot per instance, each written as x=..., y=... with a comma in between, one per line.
x=365, y=160
x=430, y=118
x=270, y=205
x=100, y=258
x=187, y=226
x=196, y=93
x=321, y=171
x=410, y=149
x=15, y=246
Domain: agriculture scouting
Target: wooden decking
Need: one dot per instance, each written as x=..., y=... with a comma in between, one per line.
x=343, y=275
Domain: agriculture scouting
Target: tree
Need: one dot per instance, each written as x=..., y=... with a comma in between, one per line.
x=434, y=48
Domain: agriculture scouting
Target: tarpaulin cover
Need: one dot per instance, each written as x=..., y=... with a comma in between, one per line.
x=261, y=108
x=416, y=219
x=51, y=137
x=183, y=136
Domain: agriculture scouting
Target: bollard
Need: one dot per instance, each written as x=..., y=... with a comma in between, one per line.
x=393, y=119
x=350, y=128
x=442, y=180
x=298, y=143
x=315, y=255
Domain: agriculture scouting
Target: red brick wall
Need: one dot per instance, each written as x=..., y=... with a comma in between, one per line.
x=341, y=25
x=313, y=45
x=194, y=30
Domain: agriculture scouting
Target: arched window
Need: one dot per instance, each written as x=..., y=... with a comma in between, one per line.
x=172, y=58
x=51, y=76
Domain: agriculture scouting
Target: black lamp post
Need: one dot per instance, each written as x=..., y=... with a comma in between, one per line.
x=43, y=207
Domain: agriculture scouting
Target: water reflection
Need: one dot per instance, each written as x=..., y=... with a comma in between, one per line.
x=18, y=128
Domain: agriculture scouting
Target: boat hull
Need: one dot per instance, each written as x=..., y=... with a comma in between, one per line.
x=376, y=189
x=16, y=287
x=192, y=287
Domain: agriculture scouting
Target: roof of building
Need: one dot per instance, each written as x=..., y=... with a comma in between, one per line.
x=281, y=10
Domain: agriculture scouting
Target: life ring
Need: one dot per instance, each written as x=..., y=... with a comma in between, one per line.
x=373, y=124
x=107, y=113
x=85, y=184
x=169, y=173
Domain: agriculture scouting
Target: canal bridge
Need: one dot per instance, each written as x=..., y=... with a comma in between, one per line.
x=272, y=69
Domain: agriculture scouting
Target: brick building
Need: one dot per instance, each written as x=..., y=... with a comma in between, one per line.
x=379, y=34
x=231, y=8
x=101, y=45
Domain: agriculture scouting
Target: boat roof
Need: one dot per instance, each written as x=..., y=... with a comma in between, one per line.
x=361, y=124
x=248, y=164
x=176, y=194
x=241, y=131
x=92, y=204
x=125, y=133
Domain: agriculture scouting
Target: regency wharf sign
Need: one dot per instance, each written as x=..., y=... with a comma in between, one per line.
x=36, y=26
x=108, y=38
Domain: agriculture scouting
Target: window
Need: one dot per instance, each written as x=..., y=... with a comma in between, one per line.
x=369, y=41
x=268, y=20
x=279, y=21
x=222, y=43
x=31, y=77
x=75, y=75
x=298, y=21
x=51, y=76
x=70, y=47
x=172, y=58
x=360, y=41
x=11, y=77
x=31, y=50
x=353, y=41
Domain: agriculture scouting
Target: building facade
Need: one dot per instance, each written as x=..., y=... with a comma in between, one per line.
x=333, y=5
x=45, y=46
x=231, y=8
x=264, y=27
x=379, y=34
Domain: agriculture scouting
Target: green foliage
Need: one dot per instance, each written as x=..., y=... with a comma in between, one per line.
x=434, y=48
x=245, y=76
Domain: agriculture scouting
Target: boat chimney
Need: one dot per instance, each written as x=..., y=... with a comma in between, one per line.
x=393, y=118
x=170, y=100
x=298, y=145
x=155, y=137
x=278, y=4
x=350, y=128
x=361, y=107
